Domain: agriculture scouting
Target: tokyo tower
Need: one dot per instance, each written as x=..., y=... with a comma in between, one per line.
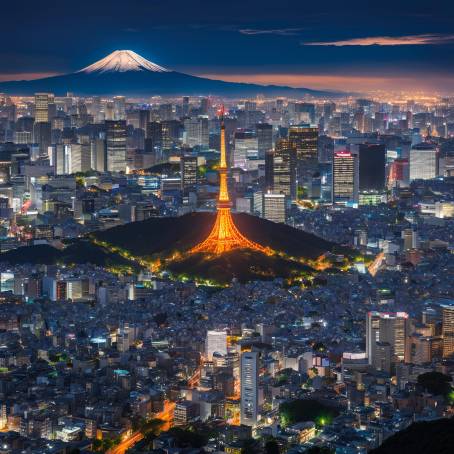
x=225, y=236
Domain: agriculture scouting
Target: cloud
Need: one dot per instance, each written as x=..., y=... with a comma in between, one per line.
x=409, y=40
x=272, y=31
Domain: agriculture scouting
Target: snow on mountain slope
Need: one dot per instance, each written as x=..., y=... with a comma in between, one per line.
x=123, y=61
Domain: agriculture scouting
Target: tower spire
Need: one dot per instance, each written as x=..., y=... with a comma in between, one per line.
x=225, y=236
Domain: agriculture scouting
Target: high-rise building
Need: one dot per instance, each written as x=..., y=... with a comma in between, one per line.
x=188, y=170
x=245, y=148
x=386, y=327
x=216, y=342
x=42, y=135
x=249, y=378
x=305, y=139
x=280, y=169
x=372, y=167
x=264, y=133
x=410, y=239
x=345, y=177
x=423, y=161
x=185, y=106
x=448, y=329
x=153, y=136
x=196, y=131
x=98, y=154
x=80, y=158
x=398, y=174
x=42, y=101
x=116, y=145
x=275, y=207
x=119, y=108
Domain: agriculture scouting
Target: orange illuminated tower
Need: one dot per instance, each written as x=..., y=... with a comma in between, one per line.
x=225, y=236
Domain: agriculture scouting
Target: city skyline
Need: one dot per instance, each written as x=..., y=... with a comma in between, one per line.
x=348, y=46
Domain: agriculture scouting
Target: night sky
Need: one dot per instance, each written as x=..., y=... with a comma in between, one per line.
x=322, y=44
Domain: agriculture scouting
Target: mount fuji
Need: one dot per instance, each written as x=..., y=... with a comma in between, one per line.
x=124, y=72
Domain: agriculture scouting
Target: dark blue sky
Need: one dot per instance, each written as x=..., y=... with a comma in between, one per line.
x=298, y=42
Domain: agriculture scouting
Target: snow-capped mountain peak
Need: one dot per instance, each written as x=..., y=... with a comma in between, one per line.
x=123, y=61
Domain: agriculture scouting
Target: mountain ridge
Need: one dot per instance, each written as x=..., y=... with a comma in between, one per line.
x=111, y=76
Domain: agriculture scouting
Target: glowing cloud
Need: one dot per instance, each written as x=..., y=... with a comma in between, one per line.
x=409, y=40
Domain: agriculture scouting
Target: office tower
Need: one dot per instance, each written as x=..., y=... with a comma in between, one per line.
x=280, y=169
x=42, y=136
x=196, y=131
x=172, y=131
x=188, y=170
x=398, y=174
x=386, y=327
x=216, y=342
x=264, y=134
x=345, y=177
x=305, y=140
x=325, y=149
x=305, y=112
x=165, y=112
x=25, y=124
x=249, y=377
x=326, y=181
x=423, y=161
x=119, y=108
x=245, y=148
x=410, y=239
x=250, y=106
x=139, y=118
x=80, y=158
x=372, y=167
x=42, y=101
x=153, y=136
x=185, y=107
x=382, y=357
x=98, y=154
x=448, y=329
x=205, y=105
x=23, y=137
x=116, y=145
x=275, y=207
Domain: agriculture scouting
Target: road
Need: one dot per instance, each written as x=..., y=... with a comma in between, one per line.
x=165, y=415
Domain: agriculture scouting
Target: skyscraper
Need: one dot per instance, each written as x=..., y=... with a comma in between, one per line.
x=116, y=145
x=305, y=139
x=275, y=207
x=245, y=148
x=423, y=161
x=42, y=135
x=119, y=108
x=345, y=177
x=196, y=131
x=386, y=327
x=42, y=101
x=264, y=133
x=448, y=329
x=249, y=376
x=372, y=166
x=216, y=342
x=280, y=169
x=188, y=170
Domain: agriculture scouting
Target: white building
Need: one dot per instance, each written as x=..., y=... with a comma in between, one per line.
x=423, y=162
x=249, y=374
x=216, y=342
